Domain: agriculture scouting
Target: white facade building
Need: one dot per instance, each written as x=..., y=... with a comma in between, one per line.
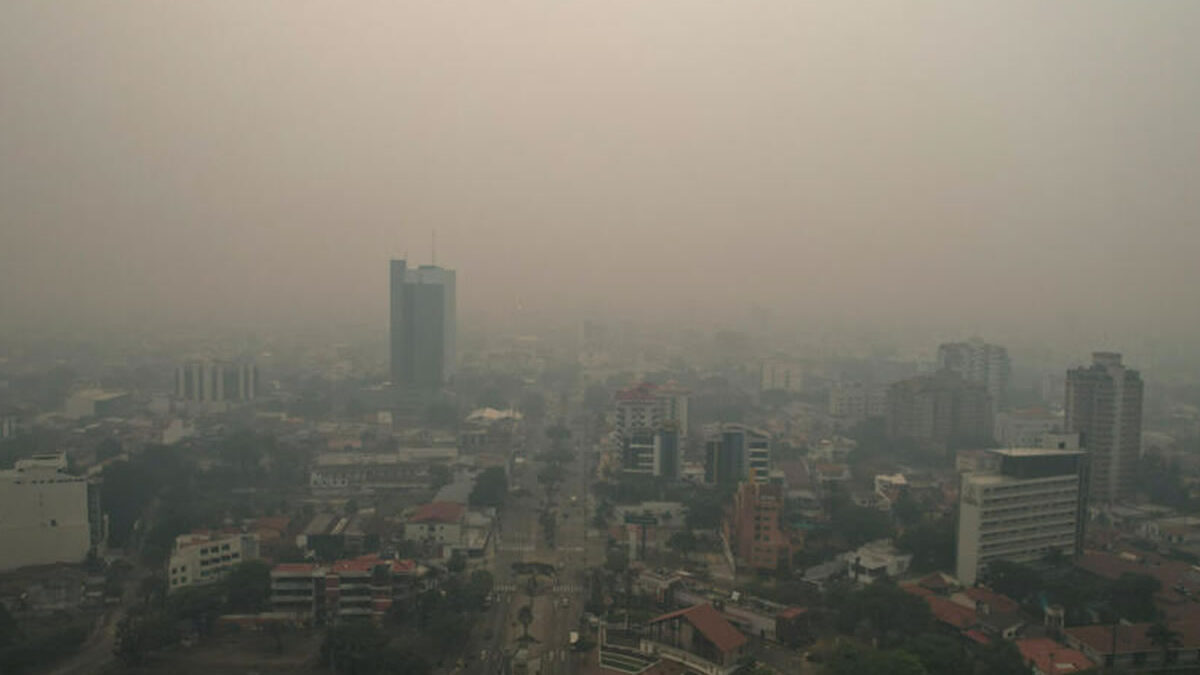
x=1025, y=428
x=1033, y=503
x=203, y=558
x=855, y=401
x=43, y=514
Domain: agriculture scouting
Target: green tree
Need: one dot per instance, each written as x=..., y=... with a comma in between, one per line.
x=885, y=612
x=683, y=541
x=439, y=476
x=353, y=646
x=248, y=586
x=1013, y=579
x=931, y=544
x=1165, y=639
x=533, y=405
x=1131, y=596
x=1001, y=657
x=705, y=510
x=491, y=487
x=10, y=631
x=525, y=617
x=941, y=654
x=851, y=659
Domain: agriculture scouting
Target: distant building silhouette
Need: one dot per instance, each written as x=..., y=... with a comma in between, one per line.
x=1104, y=405
x=205, y=381
x=423, y=329
x=979, y=363
x=938, y=410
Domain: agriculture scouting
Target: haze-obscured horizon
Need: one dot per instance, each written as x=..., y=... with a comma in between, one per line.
x=1024, y=171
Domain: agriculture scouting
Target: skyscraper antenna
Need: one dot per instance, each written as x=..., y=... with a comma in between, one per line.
x=434, y=232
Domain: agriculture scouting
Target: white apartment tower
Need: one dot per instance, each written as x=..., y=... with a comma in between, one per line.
x=1034, y=502
x=979, y=363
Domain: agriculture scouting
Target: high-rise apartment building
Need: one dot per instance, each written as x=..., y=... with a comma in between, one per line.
x=938, y=410
x=1104, y=405
x=736, y=453
x=979, y=363
x=205, y=381
x=649, y=406
x=653, y=452
x=423, y=329
x=755, y=530
x=855, y=401
x=1035, y=502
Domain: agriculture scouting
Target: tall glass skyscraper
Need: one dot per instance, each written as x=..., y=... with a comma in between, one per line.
x=423, y=329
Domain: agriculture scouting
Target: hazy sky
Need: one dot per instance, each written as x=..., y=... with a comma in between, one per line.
x=998, y=168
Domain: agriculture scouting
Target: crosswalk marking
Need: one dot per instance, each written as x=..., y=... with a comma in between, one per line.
x=567, y=588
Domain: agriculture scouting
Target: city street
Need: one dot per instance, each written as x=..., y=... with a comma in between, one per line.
x=557, y=601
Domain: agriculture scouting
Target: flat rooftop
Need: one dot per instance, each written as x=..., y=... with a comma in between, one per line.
x=1034, y=452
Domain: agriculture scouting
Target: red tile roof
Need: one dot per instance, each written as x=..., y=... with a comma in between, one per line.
x=792, y=612
x=1052, y=658
x=294, y=568
x=951, y=613
x=978, y=636
x=999, y=604
x=706, y=619
x=934, y=582
x=1131, y=637
x=919, y=591
x=438, y=512
x=643, y=391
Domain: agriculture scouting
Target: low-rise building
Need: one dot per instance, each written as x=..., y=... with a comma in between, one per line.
x=1123, y=646
x=446, y=527
x=1047, y=657
x=206, y=557
x=407, y=468
x=697, y=637
x=95, y=403
x=876, y=560
x=366, y=586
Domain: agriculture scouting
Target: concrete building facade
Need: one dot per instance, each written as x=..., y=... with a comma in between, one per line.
x=754, y=528
x=1025, y=428
x=979, y=363
x=1034, y=502
x=937, y=410
x=650, y=406
x=736, y=452
x=653, y=452
x=854, y=401
x=1104, y=405
x=206, y=557
x=45, y=515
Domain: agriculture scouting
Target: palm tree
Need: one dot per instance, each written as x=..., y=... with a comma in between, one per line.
x=1164, y=638
x=525, y=616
